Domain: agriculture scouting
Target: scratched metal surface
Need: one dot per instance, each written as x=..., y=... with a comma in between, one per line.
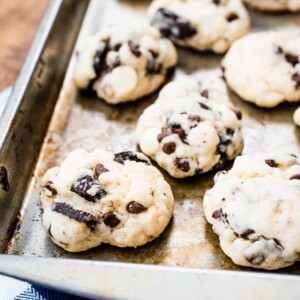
x=82, y=121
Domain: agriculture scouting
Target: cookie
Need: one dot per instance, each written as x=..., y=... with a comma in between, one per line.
x=122, y=63
x=202, y=25
x=190, y=129
x=101, y=197
x=254, y=209
x=264, y=68
x=296, y=117
x=274, y=5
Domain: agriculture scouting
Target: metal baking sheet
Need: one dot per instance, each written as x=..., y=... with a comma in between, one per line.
x=80, y=120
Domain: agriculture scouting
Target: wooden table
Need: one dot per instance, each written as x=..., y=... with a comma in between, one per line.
x=19, y=20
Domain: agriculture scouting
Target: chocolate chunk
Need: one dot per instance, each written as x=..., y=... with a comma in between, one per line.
x=87, y=188
x=194, y=118
x=128, y=155
x=245, y=234
x=218, y=214
x=162, y=135
x=99, y=63
x=292, y=59
x=114, y=64
x=296, y=78
x=205, y=94
x=134, y=207
x=134, y=48
x=69, y=211
x=239, y=114
x=271, y=163
x=204, y=106
x=256, y=260
x=169, y=148
x=99, y=169
x=217, y=2
x=172, y=25
x=49, y=186
x=111, y=220
x=4, y=179
x=295, y=177
x=232, y=17
x=182, y=164
x=230, y=131
x=116, y=47
x=153, y=67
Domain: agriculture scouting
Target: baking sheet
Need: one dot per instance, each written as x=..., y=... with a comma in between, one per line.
x=80, y=120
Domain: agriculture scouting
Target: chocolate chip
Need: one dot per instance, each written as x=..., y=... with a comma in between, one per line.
x=295, y=177
x=49, y=186
x=271, y=163
x=291, y=58
x=116, y=47
x=217, y=2
x=99, y=63
x=69, y=211
x=230, y=131
x=162, y=135
x=194, y=118
x=205, y=94
x=99, y=169
x=204, y=106
x=134, y=207
x=296, y=78
x=232, y=17
x=245, y=234
x=256, y=260
x=182, y=164
x=134, y=48
x=239, y=114
x=87, y=188
x=169, y=148
x=4, y=179
x=172, y=25
x=122, y=157
x=218, y=214
x=111, y=220
x=180, y=132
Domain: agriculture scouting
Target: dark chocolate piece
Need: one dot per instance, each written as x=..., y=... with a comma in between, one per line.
x=111, y=220
x=83, y=186
x=99, y=169
x=49, y=186
x=271, y=163
x=134, y=207
x=128, y=155
x=182, y=164
x=69, y=211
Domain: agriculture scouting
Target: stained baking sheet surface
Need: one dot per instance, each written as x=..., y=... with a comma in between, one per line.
x=81, y=120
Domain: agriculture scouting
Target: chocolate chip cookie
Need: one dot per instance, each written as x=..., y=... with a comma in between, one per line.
x=101, y=197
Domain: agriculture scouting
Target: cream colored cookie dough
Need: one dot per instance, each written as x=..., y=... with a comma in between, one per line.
x=124, y=63
x=201, y=24
x=190, y=129
x=296, y=117
x=275, y=5
x=254, y=209
x=101, y=197
x=264, y=68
